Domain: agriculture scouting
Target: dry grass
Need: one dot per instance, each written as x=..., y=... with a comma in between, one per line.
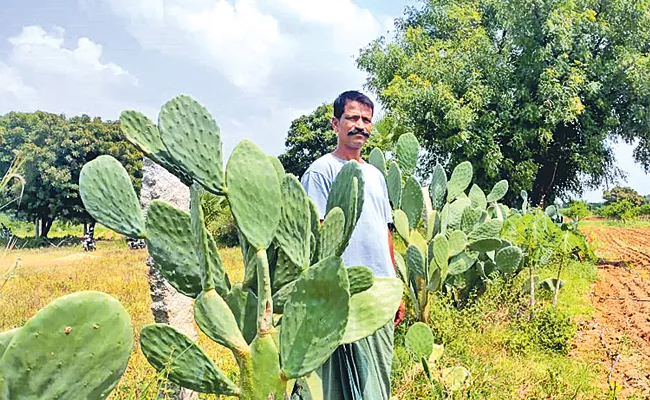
x=46, y=274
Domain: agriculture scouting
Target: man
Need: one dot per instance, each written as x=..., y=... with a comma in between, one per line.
x=359, y=370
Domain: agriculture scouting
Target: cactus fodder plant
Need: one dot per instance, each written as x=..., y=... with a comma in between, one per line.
x=456, y=246
x=297, y=302
x=77, y=347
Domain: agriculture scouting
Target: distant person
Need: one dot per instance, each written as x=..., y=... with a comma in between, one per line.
x=360, y=370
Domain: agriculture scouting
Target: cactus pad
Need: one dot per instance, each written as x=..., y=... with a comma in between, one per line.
x=348, y=195
x=377, y=159
x=418, y=240
x=498, y=191
x=279, y=169
x=243, y=304
x=373, y=308
x=183, y=361
x=402, y=224
x=331, y=234
x=454, y=378
x=415, y=261
x=254, y=194
x=295, y=222
x=477, y=197
x=5, y=338
x=508, y=259
x=457, y=243
x=438, y=187
x=440, y=253
x=217, y=321
x=314, y=318
x=109, y=197
x=459, y=180
x=412, y=201
x=407, y=150
x=470, y=218
x=360, y=278
x=456, y=210
x=76, y=347
x=193, y=141
x=394, y=184
x=462, y=262
x=419, y=340
x=169, y=240
x=401, y=266
x=433, y=224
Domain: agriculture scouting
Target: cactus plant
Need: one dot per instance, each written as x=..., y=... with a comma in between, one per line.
x=462, y=231
x=297, y=301
x=75, y=347
x=419, y=341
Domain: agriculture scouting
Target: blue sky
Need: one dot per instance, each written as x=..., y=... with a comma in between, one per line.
x=255, y=64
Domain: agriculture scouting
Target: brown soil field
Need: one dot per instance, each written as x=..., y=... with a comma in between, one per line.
x=618, y=336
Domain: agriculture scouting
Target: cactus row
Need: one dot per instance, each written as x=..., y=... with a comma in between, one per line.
x=461, y=247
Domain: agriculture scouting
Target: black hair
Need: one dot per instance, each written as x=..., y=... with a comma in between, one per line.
x=351, y=95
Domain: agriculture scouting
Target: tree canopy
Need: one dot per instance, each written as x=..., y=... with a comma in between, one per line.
x=53, y=150
x=529, y=91
x=620, y=193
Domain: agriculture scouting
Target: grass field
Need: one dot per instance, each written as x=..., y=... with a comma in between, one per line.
x=509, y=358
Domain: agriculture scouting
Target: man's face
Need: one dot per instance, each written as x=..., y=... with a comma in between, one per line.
x=355, y=121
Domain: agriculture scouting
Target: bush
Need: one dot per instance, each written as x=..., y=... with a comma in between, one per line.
x=550, y=330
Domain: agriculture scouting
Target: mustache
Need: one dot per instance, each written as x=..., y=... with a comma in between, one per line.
x=356, y=131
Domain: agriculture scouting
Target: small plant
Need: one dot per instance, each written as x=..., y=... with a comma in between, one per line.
x=297, y=302
x=419, y=341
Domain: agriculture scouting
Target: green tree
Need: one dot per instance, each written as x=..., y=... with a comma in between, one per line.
x=577, y=210
x=529, y=91
x=618, y=193
x=311, y=136
x=54, y=149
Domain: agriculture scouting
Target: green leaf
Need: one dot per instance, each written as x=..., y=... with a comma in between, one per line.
x=295, y=222
x=184, y=362
x=460, y=179
x=108, y=196
x=412, y=201
x=394, y=184
x=193, y=141
x=254, y=194
x=314, y=318
x=407, y=151
x=498, y=191
x=438, y=187
x=419, y=340
x=77, y=347
x=477, y=198
x=372, y=309
x=402, y=225
x=377, y=159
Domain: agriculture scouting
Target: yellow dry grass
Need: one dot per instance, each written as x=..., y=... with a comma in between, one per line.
x=46, y=274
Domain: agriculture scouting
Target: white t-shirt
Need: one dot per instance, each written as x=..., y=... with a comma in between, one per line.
x=369, y=242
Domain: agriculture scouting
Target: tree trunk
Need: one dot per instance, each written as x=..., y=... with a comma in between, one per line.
x=46, y=225
x=168, y=305
x=37, y=228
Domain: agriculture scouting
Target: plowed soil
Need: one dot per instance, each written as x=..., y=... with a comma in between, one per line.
x=618, y=337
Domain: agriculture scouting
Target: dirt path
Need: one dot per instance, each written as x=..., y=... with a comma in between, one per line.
x=619, y=334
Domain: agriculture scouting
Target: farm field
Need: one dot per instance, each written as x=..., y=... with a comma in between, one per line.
x=620, y=329
x=609, y=356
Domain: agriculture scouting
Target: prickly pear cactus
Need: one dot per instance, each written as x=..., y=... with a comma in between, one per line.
x=458, y=239
x=292, y=264
x=76, y=347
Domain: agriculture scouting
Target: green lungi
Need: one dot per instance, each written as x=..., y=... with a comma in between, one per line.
x=360, y=370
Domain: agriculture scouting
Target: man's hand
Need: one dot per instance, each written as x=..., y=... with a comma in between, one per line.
x=399, y=316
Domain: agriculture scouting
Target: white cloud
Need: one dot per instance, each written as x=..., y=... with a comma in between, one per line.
x=238, y=39
x=44, y=53
x=42, y=73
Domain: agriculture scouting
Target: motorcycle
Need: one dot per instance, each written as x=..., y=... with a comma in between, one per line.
x=135, y=244
x=88, y=243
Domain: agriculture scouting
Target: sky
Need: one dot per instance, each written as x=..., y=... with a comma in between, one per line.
x=255, y=64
